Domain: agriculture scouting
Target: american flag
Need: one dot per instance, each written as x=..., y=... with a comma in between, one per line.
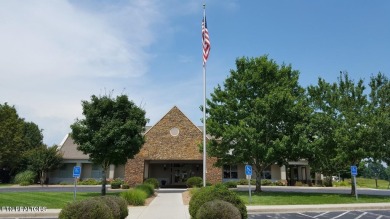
x=205, y=40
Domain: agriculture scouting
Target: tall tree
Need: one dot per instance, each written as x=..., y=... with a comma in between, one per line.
x=258, y=116
x=16, y=137
x=11, y=137
x=380, y=108
x=111, y=131
x=43, y=159
x=345, y=108
x=322, y=130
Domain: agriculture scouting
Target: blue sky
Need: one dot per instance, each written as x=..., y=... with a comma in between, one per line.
x=54, y=54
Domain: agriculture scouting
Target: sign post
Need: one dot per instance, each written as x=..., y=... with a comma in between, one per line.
x=248, y=173
x=354, y=174
x=76, y=174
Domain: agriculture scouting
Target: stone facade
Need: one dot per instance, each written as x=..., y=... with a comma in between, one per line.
x=174, y=138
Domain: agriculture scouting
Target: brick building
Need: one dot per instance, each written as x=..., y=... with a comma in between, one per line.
x=170, y=154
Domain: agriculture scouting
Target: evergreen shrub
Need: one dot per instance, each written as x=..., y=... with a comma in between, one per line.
x=230, y=184
x=219, y=192
x=124, y=211
x=194, y=181
x=218, y=209
x=86, y=209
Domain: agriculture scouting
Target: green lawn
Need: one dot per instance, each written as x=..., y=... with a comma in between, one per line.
x=291, y=198
x=43, y=199
x=370, y=183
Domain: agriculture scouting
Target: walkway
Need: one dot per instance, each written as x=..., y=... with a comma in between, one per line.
x=167, y=204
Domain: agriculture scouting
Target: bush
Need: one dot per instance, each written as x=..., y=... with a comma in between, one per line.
x=230, y=184
x=112, y=204
x=89, y=182
x=148, y=188
x=25, y=178
x=266, y=182
x=116, y=184
x=245, y=182
x=341, y=184
x=153, y=182
x=194, y=181
x=279, y=183
x=218, y=209
x=86, y=209
x=219, y=192
x=134, y=196
x=124, y=211
x=298, y=183
x=125, y=186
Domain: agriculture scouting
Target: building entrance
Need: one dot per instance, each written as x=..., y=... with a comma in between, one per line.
x=173, y=174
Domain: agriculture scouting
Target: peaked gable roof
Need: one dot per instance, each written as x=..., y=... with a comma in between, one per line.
x=176, y=112
x=69, y=149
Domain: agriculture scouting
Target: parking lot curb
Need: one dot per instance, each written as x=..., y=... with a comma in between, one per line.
x=316, y=208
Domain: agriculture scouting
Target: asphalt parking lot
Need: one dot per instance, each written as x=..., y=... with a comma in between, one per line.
x=326, y=215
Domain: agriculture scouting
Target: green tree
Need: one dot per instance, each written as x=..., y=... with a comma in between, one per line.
x=16, y=137
x=111, y=132
x=43, y=159
x=258, y=116
x=380, y=121
x=349, y=136
x=322, y=130
x=11, y=137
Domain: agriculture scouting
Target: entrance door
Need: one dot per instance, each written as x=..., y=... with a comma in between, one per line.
x=180, y=173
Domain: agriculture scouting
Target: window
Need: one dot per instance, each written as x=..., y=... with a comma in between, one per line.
x=267, y=173
x=230, y=172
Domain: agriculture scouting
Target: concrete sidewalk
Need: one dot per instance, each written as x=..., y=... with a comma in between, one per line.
x=167, y=204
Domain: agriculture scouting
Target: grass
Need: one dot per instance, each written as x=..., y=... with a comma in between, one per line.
x=291, y=198
x=43, y=199
x=370, y=183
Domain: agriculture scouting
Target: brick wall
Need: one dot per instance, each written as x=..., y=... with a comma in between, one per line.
x=161, y=145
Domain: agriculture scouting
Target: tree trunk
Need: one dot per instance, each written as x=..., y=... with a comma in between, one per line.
x=258, y=180
x=353, y=187
x=104, y=182
x=42, y=178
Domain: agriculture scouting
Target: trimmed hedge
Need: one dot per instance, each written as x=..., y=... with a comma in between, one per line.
x=218, y=209
x=86, y=209
x=122, y=204
x=89, y=181
x=230, y=184
x=134, y=196
x=98, y=207
x=112, y=205
x=211, y=193
x=116, y=185
x=194, y=181
x=153, y=182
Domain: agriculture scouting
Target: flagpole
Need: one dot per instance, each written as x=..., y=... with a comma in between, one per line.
x=204, y=112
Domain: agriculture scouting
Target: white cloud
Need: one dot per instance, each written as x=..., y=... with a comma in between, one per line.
x=56, y=53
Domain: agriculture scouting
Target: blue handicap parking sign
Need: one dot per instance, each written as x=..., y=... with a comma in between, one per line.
x=248, y=170
x=353, y=170
x=76, y=171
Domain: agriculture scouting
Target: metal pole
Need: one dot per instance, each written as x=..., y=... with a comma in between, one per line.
x=204, y=113
x=250, y=192
x=74, y=192
x=355, y=188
